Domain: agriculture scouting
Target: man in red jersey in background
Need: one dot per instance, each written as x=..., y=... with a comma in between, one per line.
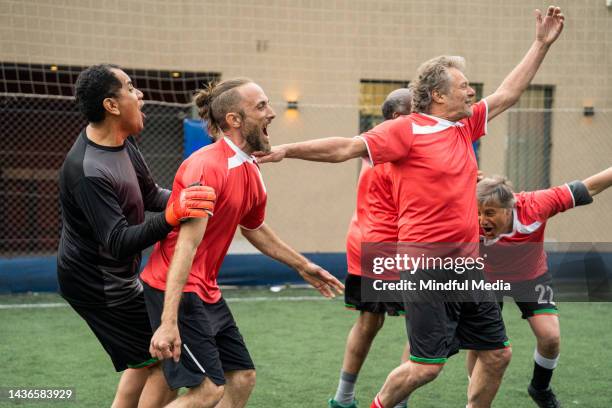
x=194, y=327
x=512, y=227
x=434, y=174
x=374, y=221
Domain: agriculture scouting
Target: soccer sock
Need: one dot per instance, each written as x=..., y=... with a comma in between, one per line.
x=542, y=370
x=345, y=394
x=376, y=403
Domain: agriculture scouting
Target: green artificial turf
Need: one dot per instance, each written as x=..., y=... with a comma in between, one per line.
x=297, y=346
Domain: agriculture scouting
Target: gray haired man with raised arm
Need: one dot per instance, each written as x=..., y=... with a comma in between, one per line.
x=434, y=145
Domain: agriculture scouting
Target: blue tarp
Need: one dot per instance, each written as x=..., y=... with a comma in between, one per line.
x=38, y=274
x=195, y=136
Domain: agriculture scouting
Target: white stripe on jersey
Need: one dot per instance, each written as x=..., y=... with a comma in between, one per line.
x=428, y=130
x=235, y=161
x=440, y=126
x=572, y=194
x=517, y=226
x=528, y=229
x=240, y=158
x=263, y=185
x=369, y=158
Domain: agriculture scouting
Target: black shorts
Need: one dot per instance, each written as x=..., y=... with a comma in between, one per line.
x=439, y=328
x=124, y=331
x=211, y=342
x=533, y=297
x=353, y=297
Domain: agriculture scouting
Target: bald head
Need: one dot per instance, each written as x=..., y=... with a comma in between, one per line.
x=398, y=103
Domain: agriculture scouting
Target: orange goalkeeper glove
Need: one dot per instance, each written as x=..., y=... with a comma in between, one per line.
x=194, y=202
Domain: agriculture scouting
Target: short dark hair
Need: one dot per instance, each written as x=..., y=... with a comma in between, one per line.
x=398, y=101
x=93, y=85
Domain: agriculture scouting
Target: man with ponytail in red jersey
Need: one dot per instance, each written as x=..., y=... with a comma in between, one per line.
x=195, y=331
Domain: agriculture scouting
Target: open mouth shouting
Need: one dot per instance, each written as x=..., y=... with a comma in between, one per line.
x=489, y=231
x=264, y=130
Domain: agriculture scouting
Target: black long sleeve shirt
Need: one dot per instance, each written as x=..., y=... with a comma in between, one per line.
x=104, y=193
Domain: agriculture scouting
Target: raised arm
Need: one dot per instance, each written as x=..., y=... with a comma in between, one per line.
x=548, y=28
x=270, y=244
x=599, y=182
x=331, y=150
x=166, y=341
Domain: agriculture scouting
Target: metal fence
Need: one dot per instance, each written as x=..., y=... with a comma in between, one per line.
x=534, y=147
x=36, y=134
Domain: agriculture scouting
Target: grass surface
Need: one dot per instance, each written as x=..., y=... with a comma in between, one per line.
x=297, y=347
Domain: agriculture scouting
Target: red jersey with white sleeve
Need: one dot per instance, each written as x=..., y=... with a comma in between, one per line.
x=375, y=216
x=433, y=172
x=241, y=200
x=519, y=255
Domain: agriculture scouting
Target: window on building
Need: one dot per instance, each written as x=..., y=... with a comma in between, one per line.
x=372, y=94
x=529, y=139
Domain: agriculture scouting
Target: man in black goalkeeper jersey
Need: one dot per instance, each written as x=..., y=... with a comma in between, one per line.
x=105, y=189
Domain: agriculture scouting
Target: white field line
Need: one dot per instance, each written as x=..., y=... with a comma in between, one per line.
x=229, y=300
x=33, y=305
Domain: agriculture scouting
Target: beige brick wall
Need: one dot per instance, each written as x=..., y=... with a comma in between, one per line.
x=317, y=51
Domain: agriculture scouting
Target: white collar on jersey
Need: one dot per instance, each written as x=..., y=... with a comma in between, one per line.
x=441, y=125
x=441, y=121
x=240, y=156
x=517, y=226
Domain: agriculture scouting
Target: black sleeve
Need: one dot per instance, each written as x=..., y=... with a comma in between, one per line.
x=98, y=201
x=580, y=193
x=153, y=196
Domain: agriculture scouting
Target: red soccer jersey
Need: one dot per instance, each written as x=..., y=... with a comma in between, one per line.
x=375, y=217
x=519, y=255
x=241, y=200
x=433, y=173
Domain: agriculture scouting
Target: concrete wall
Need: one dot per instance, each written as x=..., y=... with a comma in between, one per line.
x=317, y=51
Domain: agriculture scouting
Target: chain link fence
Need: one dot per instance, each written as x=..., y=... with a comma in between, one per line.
x=535, y=148
x=37, y=132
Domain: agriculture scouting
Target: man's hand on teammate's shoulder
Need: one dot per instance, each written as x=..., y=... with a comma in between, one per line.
x=193, y=202
x=549, y=27
x=321, y=280
x=166, y=342
x=276, y=154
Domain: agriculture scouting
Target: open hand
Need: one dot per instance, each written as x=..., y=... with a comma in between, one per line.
x=549, y=27
x=321, y=280
x=276, y=154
